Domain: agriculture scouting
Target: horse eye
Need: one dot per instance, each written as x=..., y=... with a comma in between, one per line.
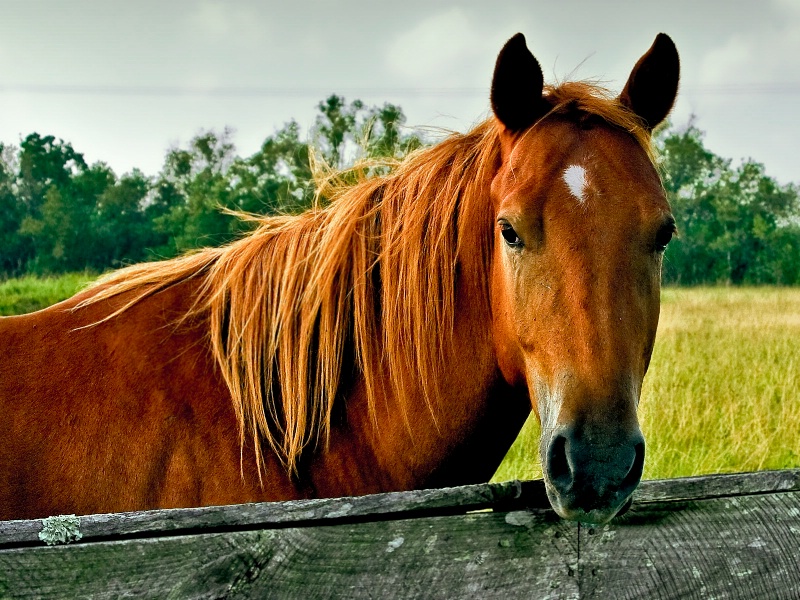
x=664, y=235
x=509, y=235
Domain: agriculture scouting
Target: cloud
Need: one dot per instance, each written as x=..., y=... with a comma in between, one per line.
x=791, y=6
x=5, y=58
x=764, y=56
x=227, y=22
x=441, y=45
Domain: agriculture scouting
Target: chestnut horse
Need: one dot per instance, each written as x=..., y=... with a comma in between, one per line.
x=393, y=339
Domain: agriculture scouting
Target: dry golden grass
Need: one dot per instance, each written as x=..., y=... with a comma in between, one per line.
x=723, y=390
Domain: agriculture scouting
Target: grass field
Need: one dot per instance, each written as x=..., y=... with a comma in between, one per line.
x=28, y=294
x=723, y=390
x=722, y=393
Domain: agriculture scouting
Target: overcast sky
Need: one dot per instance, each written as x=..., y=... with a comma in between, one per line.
x=125, y=81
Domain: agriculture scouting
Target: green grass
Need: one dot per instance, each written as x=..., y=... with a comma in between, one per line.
x=723, y=390
x=28, y=294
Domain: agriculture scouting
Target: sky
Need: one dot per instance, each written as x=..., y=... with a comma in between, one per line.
x=123, y=82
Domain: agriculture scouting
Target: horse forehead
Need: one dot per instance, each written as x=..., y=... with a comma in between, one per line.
x=543, y=153
x=583, y=166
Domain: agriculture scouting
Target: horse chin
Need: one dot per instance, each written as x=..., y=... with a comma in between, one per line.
x=598, y=515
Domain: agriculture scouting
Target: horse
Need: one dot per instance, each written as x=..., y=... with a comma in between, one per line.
x=394, y=338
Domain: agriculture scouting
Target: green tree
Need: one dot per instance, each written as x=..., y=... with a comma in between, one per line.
x=14, y=253
x=735, y=224
x=52, y=210
x=71, y=216
x=345, y=132
x=385, y=136
x=335, y=124
x=194, y=185
x=276, y=179
x=122, y=226
x=200, y=181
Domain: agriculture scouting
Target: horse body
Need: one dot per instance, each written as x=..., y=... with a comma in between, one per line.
x=395, y=339
x=177, y=443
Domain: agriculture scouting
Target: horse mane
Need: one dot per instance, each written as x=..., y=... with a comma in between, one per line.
x=363, y=287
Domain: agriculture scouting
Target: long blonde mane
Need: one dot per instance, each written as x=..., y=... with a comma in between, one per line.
x=363, y=287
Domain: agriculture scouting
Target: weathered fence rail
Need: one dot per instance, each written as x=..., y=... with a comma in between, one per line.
x=722, y=536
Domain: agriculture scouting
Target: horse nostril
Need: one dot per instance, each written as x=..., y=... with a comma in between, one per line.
x=634, y=474
x=558, y=469
x=625, y=507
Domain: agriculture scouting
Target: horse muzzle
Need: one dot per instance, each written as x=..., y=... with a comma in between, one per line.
x=590, y=474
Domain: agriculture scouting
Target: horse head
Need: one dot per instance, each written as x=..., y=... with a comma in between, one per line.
x=582, y=221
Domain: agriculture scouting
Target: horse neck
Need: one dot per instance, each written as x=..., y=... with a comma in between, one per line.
x=456, y=437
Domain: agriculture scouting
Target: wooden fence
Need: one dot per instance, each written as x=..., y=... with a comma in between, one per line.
x=722, y=536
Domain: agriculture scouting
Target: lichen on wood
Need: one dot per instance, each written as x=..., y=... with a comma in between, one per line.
x=61, y=529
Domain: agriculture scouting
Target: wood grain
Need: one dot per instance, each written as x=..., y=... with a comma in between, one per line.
x=728, y=547
x=486, y=554
x=528, y=494
x=731, y=536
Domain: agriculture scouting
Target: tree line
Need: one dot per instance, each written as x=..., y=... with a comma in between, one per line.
x=736, y=225
x=59, y=214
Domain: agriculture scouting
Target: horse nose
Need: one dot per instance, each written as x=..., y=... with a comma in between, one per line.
x=591, y=474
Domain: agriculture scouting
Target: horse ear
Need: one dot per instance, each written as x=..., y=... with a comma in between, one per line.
x=517, y=86
x=653, y=84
